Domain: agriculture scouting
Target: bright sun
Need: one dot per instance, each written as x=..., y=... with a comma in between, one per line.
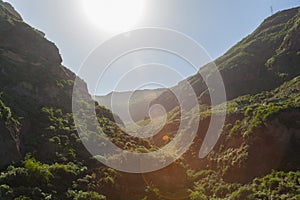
x=114, y=15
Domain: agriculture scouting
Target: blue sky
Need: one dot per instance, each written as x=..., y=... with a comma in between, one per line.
x=215, y=24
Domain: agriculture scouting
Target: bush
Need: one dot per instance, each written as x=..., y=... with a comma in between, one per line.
x=5, y=191
x=273, y=183
x=197, y=196
x=80, y=195
x=38, y=171
x=243, y=193
x=22, y=198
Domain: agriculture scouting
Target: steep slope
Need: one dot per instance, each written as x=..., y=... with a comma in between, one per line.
x=32, y=77
x=10, y=135
x=261, y=61
x=25, y=52
x=38, y=137
x=261, y=134
x=36, y=88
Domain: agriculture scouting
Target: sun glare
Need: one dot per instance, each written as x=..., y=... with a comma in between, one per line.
x=114, y=15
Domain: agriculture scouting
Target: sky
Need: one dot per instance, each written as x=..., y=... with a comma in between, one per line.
x=215, y=24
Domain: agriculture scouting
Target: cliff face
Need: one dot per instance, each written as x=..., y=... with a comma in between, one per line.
x=32, y=77
x=30, y=64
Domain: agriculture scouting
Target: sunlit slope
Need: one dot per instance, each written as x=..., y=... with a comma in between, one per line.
x=261, y=61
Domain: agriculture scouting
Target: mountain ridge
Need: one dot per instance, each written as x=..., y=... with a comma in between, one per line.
x=138, y=103
x=255, y=56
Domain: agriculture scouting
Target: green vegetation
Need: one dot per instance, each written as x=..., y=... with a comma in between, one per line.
x=44, y=181
x=276, y=185
x=256, y=157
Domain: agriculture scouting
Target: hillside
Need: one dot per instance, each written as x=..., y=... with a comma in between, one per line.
x=256, y=157
x=139, y=102
x=38, y=136
x=32, y=77
x=262, y=61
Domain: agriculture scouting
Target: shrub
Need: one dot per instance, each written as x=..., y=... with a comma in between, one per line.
x=80, y=195
x=5, y=191
x=197, y=196
x=243, y=193
x=248, y=111
x=22, y=198
x=38, y=171
x=273, y=183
